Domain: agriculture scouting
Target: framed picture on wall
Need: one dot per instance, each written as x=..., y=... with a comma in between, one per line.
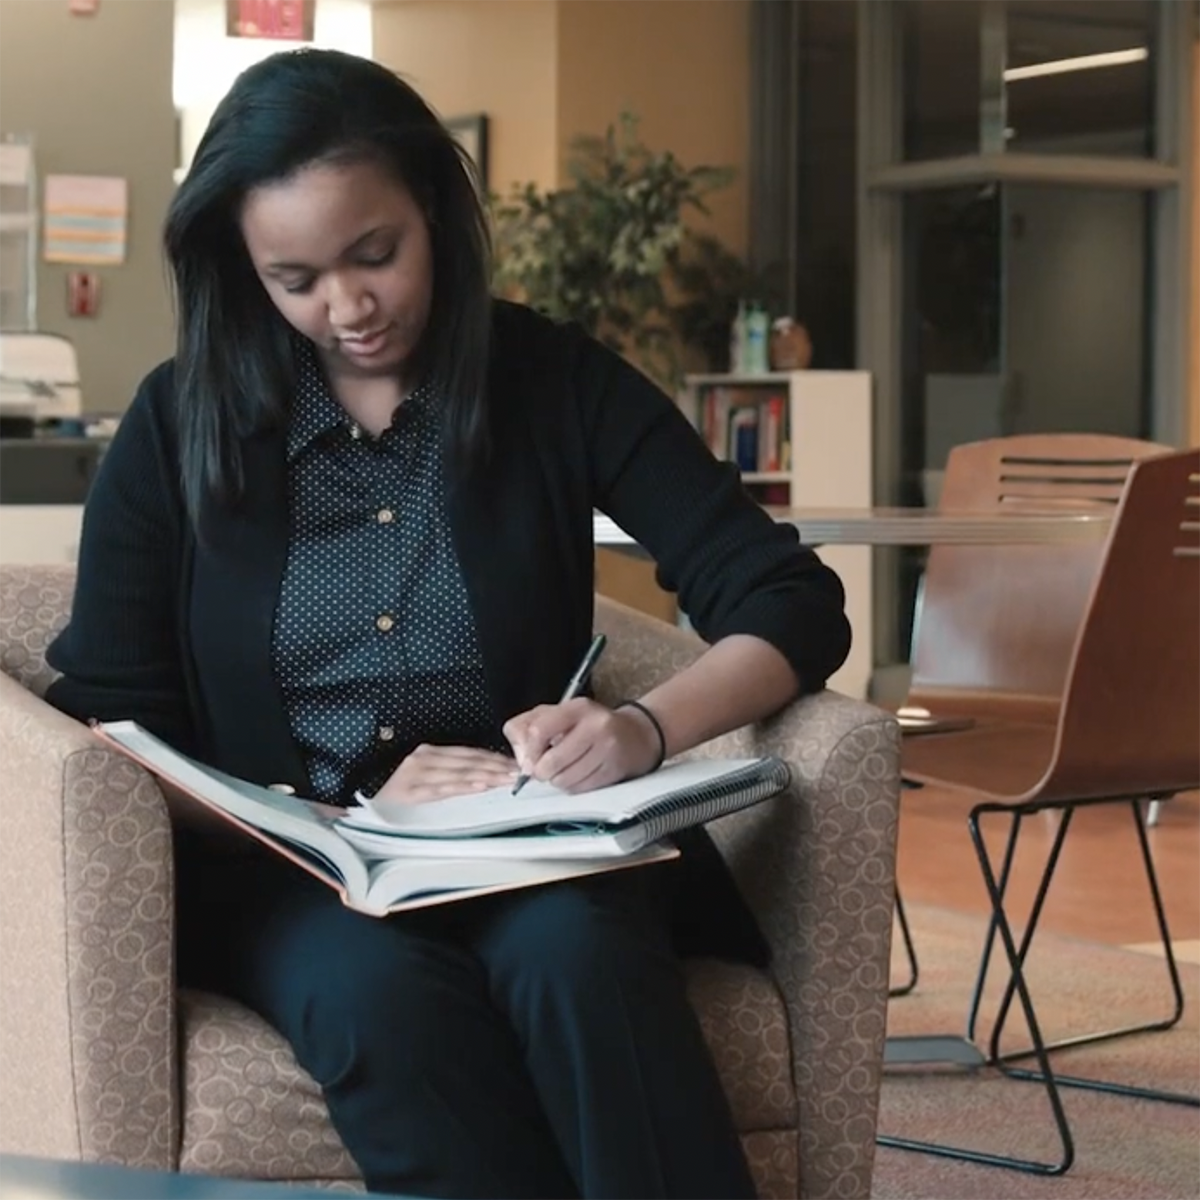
x=472, y=134
x=287, y=20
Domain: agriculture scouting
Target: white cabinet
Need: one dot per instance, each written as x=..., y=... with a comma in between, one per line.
x=803, y=439
x=40, y=533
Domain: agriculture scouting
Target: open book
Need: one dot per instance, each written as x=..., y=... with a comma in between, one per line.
x=371, y=880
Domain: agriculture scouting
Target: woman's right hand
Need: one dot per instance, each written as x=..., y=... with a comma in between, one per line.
x=435, y=772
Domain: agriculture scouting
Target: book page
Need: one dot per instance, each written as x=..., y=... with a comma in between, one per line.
x=416, y=883
x=244, y=804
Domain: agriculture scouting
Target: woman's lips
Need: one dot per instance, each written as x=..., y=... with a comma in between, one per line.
x=365, y=345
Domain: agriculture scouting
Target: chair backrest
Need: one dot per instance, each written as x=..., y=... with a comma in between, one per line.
x=1130, y=722
x=997, y=623
x=35, y=602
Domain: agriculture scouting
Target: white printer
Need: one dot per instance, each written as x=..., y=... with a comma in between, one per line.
x=39, y=378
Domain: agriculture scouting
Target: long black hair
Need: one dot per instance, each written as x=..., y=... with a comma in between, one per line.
x=233, y=362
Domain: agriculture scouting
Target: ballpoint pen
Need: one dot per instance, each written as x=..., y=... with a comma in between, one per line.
x=577, y=684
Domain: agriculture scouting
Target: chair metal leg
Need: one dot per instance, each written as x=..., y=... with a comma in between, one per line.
x=912, y=1049
x=1002, y=1060
x=989, y=938
x=1035, y=911
x=909, y=950
x=999, y=923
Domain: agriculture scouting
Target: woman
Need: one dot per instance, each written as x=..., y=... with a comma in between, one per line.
x=343, y=540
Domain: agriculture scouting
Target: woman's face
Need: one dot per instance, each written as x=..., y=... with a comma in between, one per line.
x=344, y=252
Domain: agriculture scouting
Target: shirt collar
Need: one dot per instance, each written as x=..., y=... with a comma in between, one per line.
x=316, y=411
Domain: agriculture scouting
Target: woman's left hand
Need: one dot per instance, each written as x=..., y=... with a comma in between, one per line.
x=580, y=745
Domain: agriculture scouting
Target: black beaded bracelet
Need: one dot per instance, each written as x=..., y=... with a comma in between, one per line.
x=662, y=737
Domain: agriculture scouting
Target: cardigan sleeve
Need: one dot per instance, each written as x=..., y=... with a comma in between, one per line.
x=119, y=653
x=735, y=569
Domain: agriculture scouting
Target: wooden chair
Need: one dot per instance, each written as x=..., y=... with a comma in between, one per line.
x=997, y=625
x=1125, y=731
x=996, y=628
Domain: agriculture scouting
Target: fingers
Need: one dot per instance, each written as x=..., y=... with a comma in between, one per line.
x=574, y=745
x=459, y=755
x=580, y=745
x=437, y=772
x=532, y=733
x=516, y=731
x=589, y=771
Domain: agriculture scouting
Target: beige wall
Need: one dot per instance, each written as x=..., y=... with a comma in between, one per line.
x=497, y=57
x=682, y=66
x=546, y=70
x=96, y=94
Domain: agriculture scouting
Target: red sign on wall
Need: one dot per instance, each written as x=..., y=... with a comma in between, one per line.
x=83, y=293
x=288, y=20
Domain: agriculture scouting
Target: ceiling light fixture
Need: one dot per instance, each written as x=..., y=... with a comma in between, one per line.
x=1085, y=62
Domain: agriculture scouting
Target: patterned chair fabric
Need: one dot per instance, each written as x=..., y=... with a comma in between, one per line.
x=101, y=1059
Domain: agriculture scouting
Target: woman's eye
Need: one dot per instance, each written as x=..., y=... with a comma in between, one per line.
x=299, y=287
x=379, y=260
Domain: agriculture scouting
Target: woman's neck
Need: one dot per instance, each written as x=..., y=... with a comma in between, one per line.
x=370, y=402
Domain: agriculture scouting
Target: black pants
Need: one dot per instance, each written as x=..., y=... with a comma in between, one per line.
x=538, y=1043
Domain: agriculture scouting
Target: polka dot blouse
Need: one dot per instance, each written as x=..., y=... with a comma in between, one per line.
x=374, y=645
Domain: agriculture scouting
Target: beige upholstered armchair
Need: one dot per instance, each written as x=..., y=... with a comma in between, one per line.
x=101, y=1058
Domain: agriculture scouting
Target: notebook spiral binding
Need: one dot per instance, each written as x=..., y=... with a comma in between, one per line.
x=696, y=806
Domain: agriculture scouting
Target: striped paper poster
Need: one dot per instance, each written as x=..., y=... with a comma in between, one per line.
x=85, y=218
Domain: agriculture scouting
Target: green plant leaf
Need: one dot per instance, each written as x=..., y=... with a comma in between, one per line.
x=613, y=251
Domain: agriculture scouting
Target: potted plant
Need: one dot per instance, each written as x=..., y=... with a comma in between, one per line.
x=614, y=252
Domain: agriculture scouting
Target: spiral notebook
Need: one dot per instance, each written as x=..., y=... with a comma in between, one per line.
x=545, y=822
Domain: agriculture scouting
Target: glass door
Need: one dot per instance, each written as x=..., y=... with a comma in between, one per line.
x=1021, y=234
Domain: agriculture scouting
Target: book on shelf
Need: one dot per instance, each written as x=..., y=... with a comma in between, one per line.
x=747, y=425
x=383, y=859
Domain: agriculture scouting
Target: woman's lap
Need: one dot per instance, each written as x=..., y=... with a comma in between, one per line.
x=525, y=1025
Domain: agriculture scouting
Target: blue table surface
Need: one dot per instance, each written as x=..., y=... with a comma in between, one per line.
x=45, y=1179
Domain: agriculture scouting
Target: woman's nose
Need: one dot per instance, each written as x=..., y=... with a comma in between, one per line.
x=348, y=302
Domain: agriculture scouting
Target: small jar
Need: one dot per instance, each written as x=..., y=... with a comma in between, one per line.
x=790, y=347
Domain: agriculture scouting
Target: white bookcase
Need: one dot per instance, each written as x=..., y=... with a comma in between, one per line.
x=18, y=235
x=824, y=462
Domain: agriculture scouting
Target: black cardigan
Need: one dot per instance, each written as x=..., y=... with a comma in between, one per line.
x=177, y=635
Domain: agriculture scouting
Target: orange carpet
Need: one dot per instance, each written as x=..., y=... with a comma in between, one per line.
x=1125, y=1149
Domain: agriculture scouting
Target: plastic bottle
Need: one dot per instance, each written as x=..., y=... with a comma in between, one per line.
x=758, y=327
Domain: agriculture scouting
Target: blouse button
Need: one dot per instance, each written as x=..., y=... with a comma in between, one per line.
x=285, y=788
x=385, y=516
x=355, y=430
x=386, y=733
x=384, y=622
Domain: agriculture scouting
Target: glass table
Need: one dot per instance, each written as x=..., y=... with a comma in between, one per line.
x=914, y=526
x=23, y=1178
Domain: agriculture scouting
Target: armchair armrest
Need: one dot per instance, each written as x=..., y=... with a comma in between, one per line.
x=87, y=1038
x=817, y=867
